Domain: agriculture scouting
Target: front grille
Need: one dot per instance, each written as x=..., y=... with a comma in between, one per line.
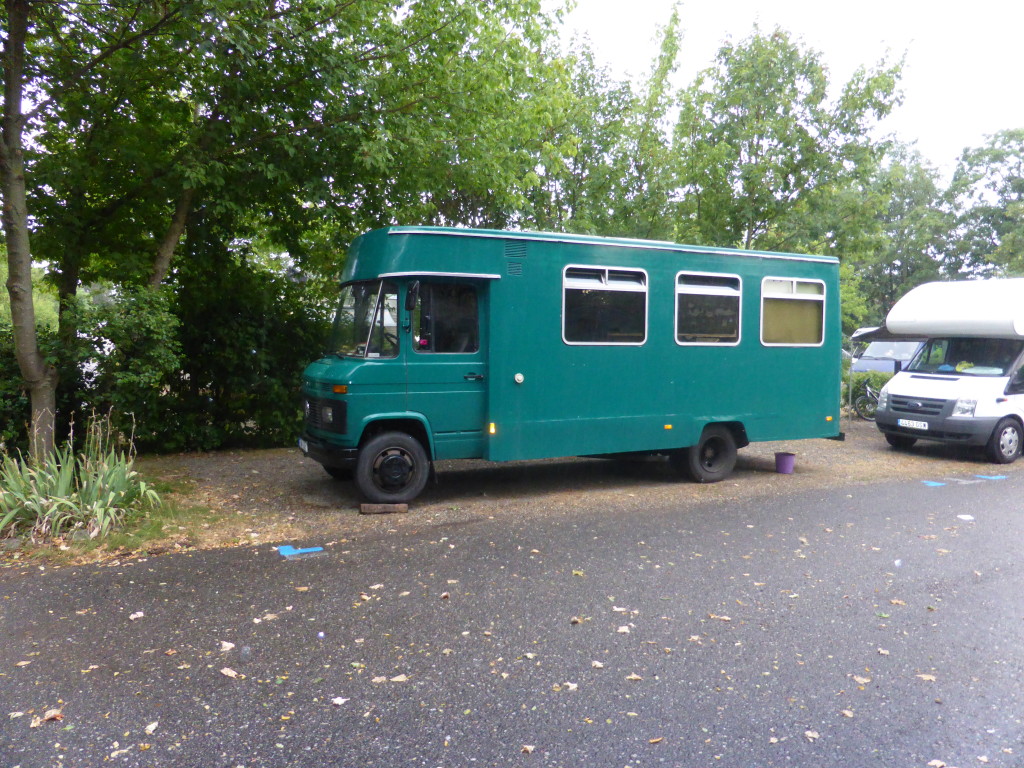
x=918, y=406
x=326, y=414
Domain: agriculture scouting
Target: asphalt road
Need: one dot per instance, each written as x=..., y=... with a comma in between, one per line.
x=879, y=624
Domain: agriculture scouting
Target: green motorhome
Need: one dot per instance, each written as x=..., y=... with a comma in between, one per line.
x=463, y=343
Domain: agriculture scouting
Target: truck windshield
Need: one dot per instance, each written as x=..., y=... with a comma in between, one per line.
x=967, y=357
x=366, y=322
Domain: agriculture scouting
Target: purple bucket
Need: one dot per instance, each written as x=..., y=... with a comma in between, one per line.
x=784, y=462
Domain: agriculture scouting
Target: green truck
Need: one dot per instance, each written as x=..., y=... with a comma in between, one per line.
x=464, y=343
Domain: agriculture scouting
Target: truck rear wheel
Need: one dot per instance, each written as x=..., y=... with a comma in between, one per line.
x=711, y=459
x=1005, y=443
x=392, y=468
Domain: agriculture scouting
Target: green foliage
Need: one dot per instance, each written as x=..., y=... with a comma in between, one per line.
x=859, y=380
x=987, y=197
x=758, y=137
x=94, y=489
x=246, y=332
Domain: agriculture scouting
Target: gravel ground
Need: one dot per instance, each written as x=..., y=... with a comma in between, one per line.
x=277, y=495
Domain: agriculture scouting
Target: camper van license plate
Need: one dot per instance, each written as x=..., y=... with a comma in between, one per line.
x=912, y=424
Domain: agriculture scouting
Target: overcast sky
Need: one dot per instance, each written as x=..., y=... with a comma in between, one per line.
x=961, y=80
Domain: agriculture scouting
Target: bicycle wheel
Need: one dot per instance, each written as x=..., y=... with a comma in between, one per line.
x=865, y=407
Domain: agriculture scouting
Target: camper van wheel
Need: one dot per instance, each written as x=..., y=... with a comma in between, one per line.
x=392, y=468
x=1004, y=445
x=899, y=442
x=711, y=459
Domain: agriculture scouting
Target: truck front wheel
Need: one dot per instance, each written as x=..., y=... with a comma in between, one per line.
x=1005, y=443
x=392, y=468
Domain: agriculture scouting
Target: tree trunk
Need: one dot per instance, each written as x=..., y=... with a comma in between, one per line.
x=165, y=251
x=39, y=376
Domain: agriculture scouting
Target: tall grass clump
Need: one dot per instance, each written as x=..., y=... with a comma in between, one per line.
x=92, y=489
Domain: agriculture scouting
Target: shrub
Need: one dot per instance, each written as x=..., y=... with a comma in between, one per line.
x=94, y=490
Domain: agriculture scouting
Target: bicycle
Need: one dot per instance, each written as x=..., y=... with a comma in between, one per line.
x=867, y=403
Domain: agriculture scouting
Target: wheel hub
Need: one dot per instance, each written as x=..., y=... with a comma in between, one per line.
x=393, y=470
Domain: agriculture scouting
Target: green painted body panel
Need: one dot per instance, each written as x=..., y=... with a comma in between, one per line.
x=583, y=399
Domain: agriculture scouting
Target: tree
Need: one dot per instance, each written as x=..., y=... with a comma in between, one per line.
x=758, y=137
x=986, y=195
x=49, y=52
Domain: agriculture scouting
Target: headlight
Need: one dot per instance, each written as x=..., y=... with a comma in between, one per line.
x=964, y=407
x=328, y=415
x=883, y=399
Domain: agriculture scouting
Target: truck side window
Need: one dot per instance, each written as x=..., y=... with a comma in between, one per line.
x=792, y=312
x=604, y=306
x=707, y=309
x=446, y=319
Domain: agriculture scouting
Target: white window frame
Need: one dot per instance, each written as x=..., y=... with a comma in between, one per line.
x=794, y=295
x=605, y=284
x=709, y=290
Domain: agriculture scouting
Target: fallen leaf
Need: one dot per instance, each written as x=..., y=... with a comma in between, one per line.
x=13, y=715
x=861, y=680
x=897, y=602
x=633, y=676
x=720, y=618
x=812, y=735
x=657, y=740
x=151, y=727
x=527, y=749
x=927, y=678
x=338, y=701
x=225, y=646
x=936, y=764
x=302, y=589
x=399, y=678
x=623, y=630
x=170, y=652
x=596, y=665
x=23, y=663
x=379, y=679
x=445, y=595
x=135, y=616
x=53, y=714
x=270, y=617
x=229, y=672
x=882, y=652
x=982, y=758
x=572, y=686
x=846, y=713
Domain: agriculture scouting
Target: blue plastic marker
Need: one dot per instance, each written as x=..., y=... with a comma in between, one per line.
x=932, y=483
x=288, y=551
x=992, y=477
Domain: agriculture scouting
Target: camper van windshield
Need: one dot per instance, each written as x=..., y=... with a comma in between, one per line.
x=969, y=357
x=365, y=325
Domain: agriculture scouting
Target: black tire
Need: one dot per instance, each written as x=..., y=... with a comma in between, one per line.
x=711, y=459
x=900, y=442
x=392, y=468
x=1004, y=445
x=340, y=473
x=865, y=407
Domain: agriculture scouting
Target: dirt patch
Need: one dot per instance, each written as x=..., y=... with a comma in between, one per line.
x=277, y=495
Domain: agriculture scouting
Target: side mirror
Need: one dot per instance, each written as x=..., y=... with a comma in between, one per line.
x=412, y=293
x=1016, y=385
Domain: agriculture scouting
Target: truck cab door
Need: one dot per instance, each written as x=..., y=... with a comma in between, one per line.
x=446, y=366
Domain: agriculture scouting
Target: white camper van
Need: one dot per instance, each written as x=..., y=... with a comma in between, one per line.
x=966, y=384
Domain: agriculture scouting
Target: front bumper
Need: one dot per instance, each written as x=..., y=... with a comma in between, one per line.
x=329, y=455
x=941, y=428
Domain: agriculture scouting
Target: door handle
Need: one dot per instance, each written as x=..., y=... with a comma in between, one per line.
x=474, y=377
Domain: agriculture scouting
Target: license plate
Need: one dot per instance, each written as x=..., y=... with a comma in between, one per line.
x=912, y=424
x=303, y=446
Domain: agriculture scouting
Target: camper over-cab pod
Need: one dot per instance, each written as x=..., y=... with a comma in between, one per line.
x=461, y=343
x=966, y=384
